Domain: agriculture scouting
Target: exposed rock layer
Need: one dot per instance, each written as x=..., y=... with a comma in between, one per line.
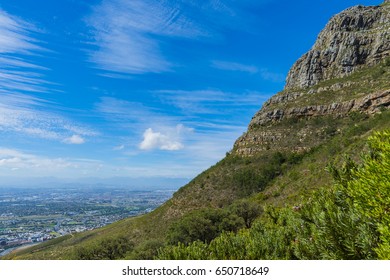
x=370, y=104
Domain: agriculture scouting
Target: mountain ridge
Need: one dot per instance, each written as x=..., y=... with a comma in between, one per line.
x=353, y=48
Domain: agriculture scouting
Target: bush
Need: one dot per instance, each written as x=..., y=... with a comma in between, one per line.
x=203, y=225
x=105, y=249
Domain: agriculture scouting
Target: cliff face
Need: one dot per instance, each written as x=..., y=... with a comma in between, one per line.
x=347, y=70
x=357, y=37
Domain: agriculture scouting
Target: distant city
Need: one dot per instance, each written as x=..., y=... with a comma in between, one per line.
x=33, y=215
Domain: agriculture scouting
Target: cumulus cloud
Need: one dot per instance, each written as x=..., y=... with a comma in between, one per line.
x=168, y=141
x=75, y=139
x=157, y=140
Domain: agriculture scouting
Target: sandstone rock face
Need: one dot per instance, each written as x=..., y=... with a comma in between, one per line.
x=369, y=104
x=358, y=36
x=264, y=134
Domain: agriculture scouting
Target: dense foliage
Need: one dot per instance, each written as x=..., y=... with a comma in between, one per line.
x=206, y=224
x=349, y=220
x=106, y=249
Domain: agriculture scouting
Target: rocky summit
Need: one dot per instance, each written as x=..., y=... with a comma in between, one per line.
x=344, y=72
x=356, y=37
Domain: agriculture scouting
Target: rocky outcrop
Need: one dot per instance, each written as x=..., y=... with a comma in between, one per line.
x=265, y=133
x=369, y=104
x=357, y=37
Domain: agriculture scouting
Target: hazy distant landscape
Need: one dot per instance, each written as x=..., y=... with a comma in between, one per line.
x=32, y=215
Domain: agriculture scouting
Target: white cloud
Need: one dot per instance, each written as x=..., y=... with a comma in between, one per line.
x=28, y=164
x=119, y=148
x=271, y=76
x=214, y=101
x=24, y=114
x=133, y=115
x=14, y=35
x=234, y=66
x=129, y=36
x=15, y=159
x=74, y=139
x=125, y=34
x=157, y=140
x=17, y=48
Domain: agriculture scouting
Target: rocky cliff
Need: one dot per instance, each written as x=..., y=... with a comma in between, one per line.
x=347, y=70
x=355, y=38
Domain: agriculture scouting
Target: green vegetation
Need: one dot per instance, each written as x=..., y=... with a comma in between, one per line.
x=110, y=248
x=206, y=224
x=218, y=193
x=349, y=220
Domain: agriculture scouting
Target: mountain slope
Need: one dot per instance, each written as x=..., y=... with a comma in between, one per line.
x=335, y=96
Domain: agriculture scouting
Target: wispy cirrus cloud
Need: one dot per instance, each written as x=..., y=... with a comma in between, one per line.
x=15, y=35
x=21, y=113
x=129, y=113
x=129, y=36
x=22, y=80
x=18, y=46
x=234, y=66
x=251, y=69
x=211, y=101
x=125, y=34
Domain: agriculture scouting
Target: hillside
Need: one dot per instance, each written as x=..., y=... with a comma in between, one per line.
x=336, y=95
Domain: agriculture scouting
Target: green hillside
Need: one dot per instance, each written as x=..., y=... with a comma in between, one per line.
x=270, y=179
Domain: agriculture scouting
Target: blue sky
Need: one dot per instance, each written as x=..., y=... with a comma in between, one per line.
x=141, y=88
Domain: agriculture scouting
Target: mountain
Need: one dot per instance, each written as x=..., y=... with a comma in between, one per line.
x=335, y=96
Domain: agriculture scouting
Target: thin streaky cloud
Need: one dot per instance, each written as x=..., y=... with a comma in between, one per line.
x=13, y=62
x=135, y=115
x=15, y=162
x=23, y=114
x=20, y=112
x=15, y=35
x=127, y=36
x=17, y=41
x=234, y=66
x=124, y=33
x=251, y=69
x=271, y=76
x=210, y=101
